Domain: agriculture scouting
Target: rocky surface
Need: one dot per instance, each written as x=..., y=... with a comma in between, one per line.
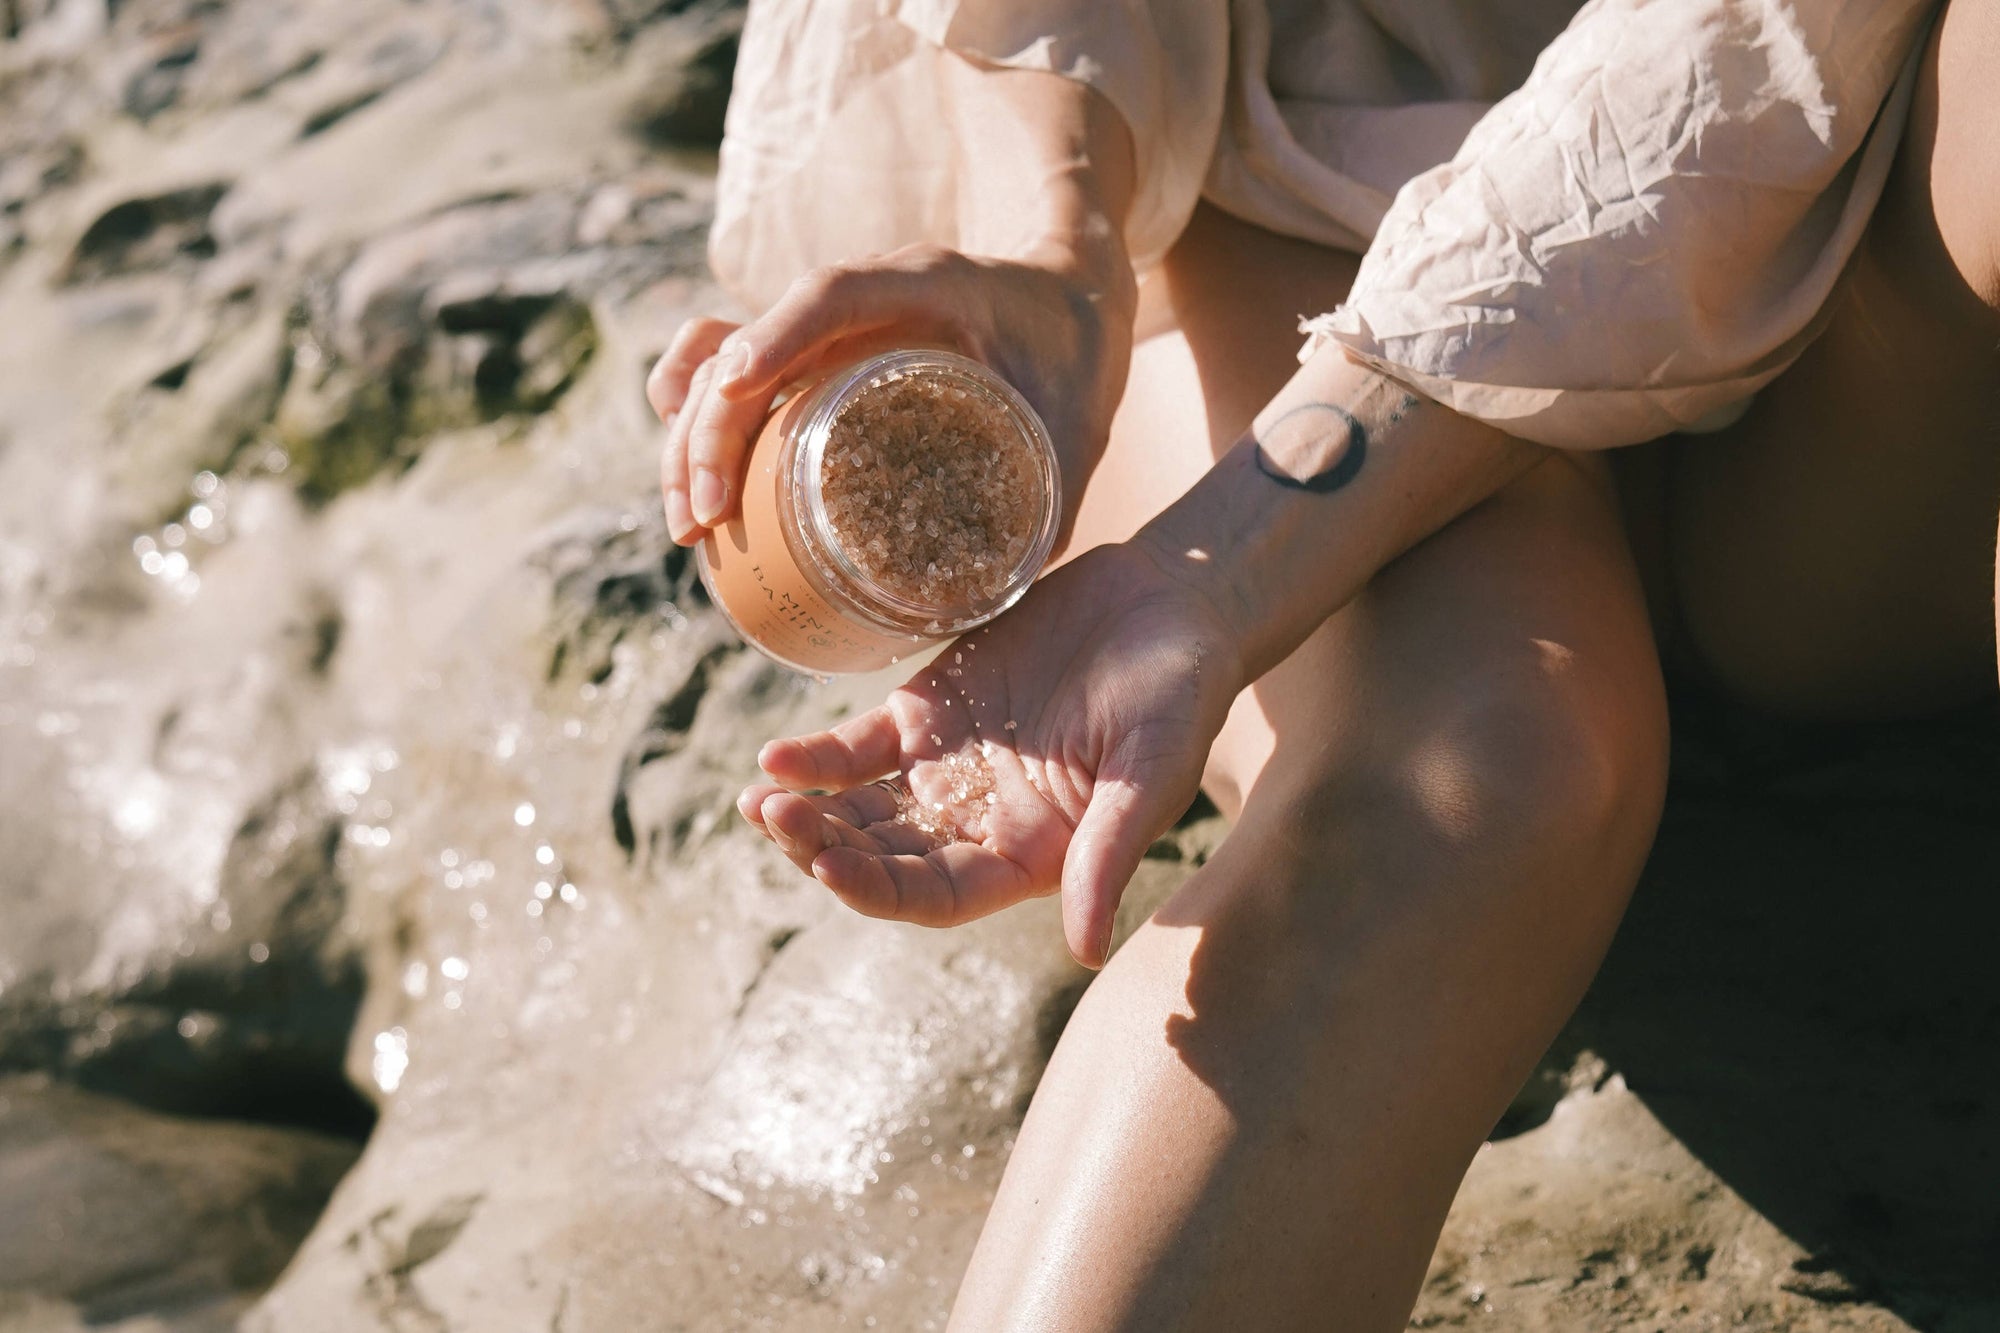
x=366, y=756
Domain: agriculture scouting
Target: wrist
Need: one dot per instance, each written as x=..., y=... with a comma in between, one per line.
x=1343, y=471
x=1049, y=172
x=1192, y=570
x=1088, y=252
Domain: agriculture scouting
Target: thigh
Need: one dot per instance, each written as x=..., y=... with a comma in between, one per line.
x=1833, y=553
x=1217, y=337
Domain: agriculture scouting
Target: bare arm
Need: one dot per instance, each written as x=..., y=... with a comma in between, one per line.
x=1047, y=165
x=1341, y=473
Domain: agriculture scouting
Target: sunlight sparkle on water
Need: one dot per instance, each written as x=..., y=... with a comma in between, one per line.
x=392, y=1058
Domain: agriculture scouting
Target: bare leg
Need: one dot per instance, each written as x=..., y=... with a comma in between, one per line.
x=1259, y=1113
x=1833, y=553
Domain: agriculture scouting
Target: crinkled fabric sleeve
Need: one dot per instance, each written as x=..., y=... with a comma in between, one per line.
x=1649, y=230
x=834, y=145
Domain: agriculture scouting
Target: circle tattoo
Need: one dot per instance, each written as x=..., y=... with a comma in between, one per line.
x=1330, y=478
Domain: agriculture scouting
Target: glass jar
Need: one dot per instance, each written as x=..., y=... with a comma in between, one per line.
x=779, y=570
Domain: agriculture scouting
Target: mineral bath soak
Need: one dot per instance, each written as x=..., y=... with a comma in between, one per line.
x=895, y=503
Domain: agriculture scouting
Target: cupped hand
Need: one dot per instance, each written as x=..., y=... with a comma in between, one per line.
x=1060, y=740
x=1057, y=327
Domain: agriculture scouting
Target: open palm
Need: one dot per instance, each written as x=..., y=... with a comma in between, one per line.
x=1044, y=752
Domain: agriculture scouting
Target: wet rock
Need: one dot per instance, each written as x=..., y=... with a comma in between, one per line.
x=615, y=576
x=147, y=233
x=124, y=1219
x=685, y=108
x=625, y=19
x=154, y=81
x=17, y=16
x=203, y=409
x=481, y=314
x=211, y=1025
x=31, y=172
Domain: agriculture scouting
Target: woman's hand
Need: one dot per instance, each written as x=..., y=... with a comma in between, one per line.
x=1055, y=321
x=1087, y=712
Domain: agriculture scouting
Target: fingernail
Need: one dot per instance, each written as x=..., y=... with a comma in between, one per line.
x=1104, y=940
x=735, y=360
x=785, y=844
x=680, y=520
x=709, y=496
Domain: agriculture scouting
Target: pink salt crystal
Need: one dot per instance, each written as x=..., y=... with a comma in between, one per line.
x=950, y=472
x=968, y=784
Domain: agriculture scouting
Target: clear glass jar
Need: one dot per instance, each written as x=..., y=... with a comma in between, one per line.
x=778, y=570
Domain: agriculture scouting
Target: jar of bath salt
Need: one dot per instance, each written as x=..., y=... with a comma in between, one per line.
x=895, y=503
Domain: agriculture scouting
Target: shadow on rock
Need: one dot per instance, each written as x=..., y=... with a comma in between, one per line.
x=1803, y=993
x=144, y=1217
x=201, y=1031
x=143, y=234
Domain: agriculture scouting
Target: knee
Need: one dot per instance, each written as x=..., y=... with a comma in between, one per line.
x=1516, y=822
x=1556, y=763
x=1557, y=770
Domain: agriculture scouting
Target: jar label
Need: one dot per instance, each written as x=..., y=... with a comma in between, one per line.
x=751, y=574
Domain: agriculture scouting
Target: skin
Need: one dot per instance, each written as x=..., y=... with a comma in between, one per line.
x=1412, y=658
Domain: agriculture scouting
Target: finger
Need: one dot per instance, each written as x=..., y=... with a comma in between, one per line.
x=872, y=808
x=800, y=831
x=695, y=342
x=811, y=824
x=1123, y=818
x=681, y=525
x=952, y=884
x=918, y=291
x=858, y=750
x=718, y=440
x=750, y=804
x=864, y=806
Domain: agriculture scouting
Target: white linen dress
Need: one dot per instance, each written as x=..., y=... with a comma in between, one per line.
x=1587, y=225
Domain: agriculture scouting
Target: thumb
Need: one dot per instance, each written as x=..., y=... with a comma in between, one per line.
x=1126, y=812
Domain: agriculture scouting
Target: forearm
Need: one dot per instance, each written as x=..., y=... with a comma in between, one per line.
x=1342, y=472
x=1046, y=167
